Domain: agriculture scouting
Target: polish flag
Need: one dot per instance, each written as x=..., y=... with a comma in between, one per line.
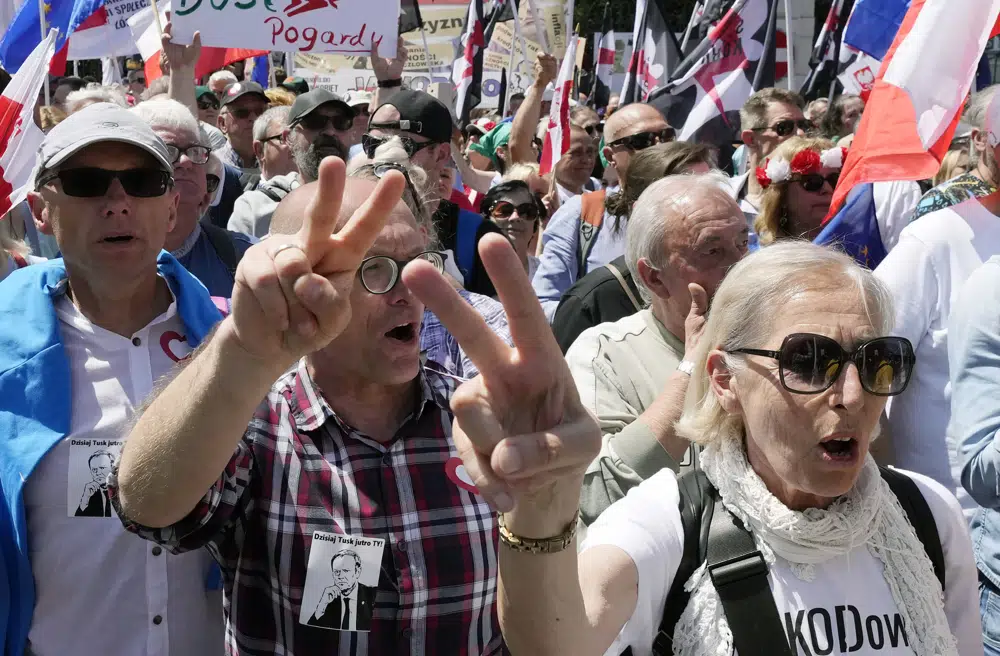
x=20, y=138
x=557, y=134
x=918, y=95
x=147, y=38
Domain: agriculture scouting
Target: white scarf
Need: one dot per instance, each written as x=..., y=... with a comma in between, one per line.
x=869, y=514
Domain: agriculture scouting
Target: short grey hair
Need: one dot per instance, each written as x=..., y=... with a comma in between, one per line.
x=975, y=115
x=94, y=93
x=653, y=213
x=228, y=76
x=264, y=122
x=169, y=114
x=742, y=316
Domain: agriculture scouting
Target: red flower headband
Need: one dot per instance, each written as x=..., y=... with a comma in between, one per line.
x=804, y=163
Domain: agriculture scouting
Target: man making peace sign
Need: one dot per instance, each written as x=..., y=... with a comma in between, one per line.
x=351, y=446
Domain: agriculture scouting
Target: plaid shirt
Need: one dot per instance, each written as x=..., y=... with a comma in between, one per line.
x=438, y=345
x=300, y=469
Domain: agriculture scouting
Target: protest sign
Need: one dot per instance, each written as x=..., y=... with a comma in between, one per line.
x=313, y=26
x=112, y=38
x=443, y=23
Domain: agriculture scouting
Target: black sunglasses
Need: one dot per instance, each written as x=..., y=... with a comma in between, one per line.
x=370, y=143
x=810, y=364
x=317, y=122
x=379, y=169
x=504, y=209
x=197, y=154
x=595, y=129
x=380, y=273
x=242, y=113
x=788, y=126
x=644, y=140
x=208, y=104
x=275, y=137
x=813, y=182
x=90, y=182
x=212, y=182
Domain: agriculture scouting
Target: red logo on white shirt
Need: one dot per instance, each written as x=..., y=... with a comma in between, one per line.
x=176, y=352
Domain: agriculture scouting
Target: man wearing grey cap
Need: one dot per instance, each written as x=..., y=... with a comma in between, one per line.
x=84, y=338
x=318, y=123
x=242, y=103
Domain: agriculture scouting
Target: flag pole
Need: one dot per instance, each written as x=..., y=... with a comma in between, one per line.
x=690, y=29
x=156, y=15
x=540, y=28
x=789, y=46
x=519, y=36
x=41, y=21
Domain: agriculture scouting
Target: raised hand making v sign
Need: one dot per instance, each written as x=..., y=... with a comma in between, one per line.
x=292, y=297
x=525, y=440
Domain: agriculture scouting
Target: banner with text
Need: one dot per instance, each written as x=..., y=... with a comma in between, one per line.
x=443, y=22
x=347, y=27
x=113, y=39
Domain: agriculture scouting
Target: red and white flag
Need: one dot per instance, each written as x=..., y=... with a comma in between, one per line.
x=557, y=134
x=919, y=93
x=20, y=138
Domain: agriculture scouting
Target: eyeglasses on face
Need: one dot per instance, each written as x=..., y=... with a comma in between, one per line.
x=317, y=122
x=212, y=182
x=504, y=210
x=244, y=113
x=273, y=137
x=644, y=140
x=788, y=126
x=92, y=182
x=810, y=364
x=380, y=169
x=380, y=273
x=813, y=182
x=370, y=143
x=197, y=153
x=208, y=104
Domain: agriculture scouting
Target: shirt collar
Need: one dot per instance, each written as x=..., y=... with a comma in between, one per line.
x=189, y=242
x=310, y=410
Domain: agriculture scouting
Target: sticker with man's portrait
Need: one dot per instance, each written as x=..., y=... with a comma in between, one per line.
x=90, y=462
x=341, y=581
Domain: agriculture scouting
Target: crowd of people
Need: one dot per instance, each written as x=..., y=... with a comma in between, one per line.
x=284, y=371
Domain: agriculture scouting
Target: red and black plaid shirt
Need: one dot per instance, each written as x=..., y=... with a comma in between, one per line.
x=300, y=469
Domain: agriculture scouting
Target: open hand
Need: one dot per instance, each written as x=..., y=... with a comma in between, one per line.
x=292, y=293
x=523, y=435
x=179, y=56
x=389, y=69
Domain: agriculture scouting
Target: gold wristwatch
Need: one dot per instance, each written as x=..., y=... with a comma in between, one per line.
x=531, y=545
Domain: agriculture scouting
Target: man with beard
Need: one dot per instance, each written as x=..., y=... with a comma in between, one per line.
x=319, y=122
x=210, y=253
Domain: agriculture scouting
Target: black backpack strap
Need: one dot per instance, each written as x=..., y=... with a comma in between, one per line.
x=272, y=192
x=919, y=513
x=739, y=573
x=223, y=245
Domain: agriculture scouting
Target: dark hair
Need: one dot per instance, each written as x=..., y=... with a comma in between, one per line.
x=74, y=83
x=833, y=120
x=649, y=165
x=503, y=189
x=517, y=96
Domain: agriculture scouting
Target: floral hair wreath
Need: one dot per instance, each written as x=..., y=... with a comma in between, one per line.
x=806, y=162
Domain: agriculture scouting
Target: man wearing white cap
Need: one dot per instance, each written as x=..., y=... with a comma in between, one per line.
x=360, y=102
x=925, y=271
x=84, y=338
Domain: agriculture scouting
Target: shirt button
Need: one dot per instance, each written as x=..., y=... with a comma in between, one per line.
x=407, y=632
x=157, y=551
x=136, y=341
x=401, y=545
x=157, y=620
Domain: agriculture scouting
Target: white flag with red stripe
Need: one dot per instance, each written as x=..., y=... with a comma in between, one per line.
x=20, y=138
x=557, y=134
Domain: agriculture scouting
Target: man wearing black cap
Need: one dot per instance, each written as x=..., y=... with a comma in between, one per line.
x=425, y=127
x=242, y=103
x=317, y=125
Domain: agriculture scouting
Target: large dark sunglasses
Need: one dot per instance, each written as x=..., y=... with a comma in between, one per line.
x=242, y=113
x=788, y=126
x=813, y=182
x=208, y=104
x=503, y=210
x=810, y=364
x=92, y=182
x=379, y=169
x=197, y=154
x=212, y=182
x=318, y=122
x=370, y=143
x=644, y=140
x=380, y=273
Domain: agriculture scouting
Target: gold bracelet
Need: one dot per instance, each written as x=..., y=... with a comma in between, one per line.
x=544, y=545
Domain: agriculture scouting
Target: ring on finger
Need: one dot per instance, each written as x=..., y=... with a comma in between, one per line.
x=284, y=247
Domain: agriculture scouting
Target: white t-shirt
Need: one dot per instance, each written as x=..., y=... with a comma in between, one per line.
x=101, y=591
x=925, y=271
x=847, y=608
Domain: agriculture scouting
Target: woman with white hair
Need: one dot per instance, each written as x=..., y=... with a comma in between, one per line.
x=811, y=548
